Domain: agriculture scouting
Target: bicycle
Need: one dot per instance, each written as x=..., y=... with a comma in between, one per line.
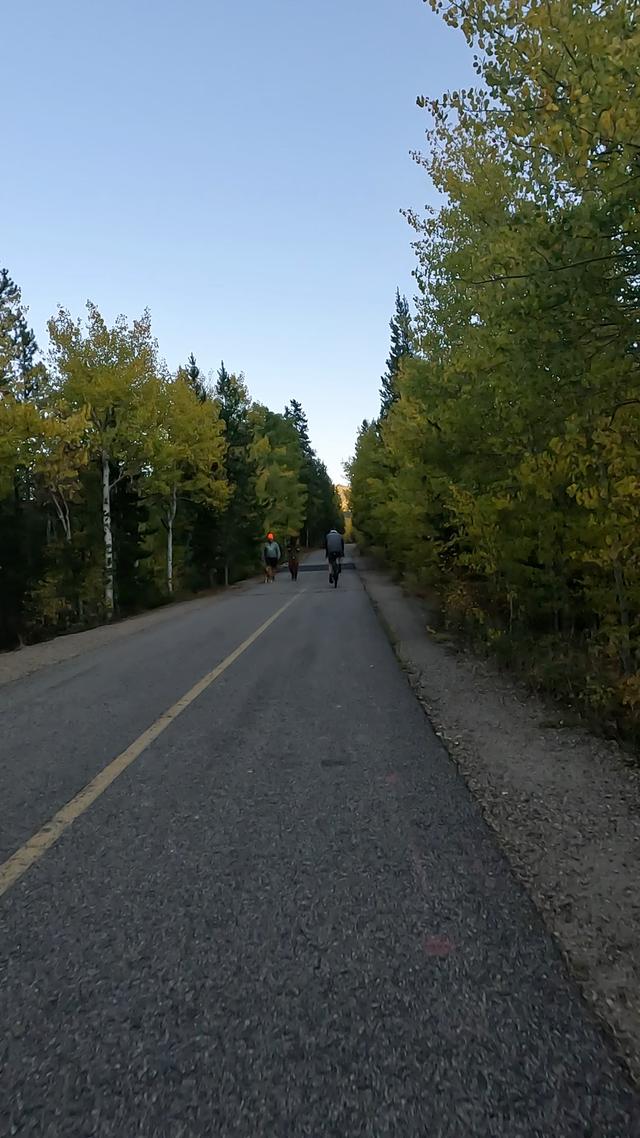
x=335, y=569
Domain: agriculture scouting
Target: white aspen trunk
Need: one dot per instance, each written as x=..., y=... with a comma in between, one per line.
x=108, y=535
x=171, y=513
x=62, y=510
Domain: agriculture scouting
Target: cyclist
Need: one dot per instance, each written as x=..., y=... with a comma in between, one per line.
x=334, y=550
x=270, y=557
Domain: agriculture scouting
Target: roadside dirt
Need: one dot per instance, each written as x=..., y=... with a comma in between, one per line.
x=565, y=805
x=24, y=661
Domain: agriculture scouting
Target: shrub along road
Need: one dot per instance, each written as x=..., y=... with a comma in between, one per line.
x=277, y=911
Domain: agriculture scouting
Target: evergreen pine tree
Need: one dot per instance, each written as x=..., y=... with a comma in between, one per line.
x=401, y=347
x=322, y=507
x=20, y=375
x=239, y=527
x=192, y=376
x=22, y=524
x=294, y=412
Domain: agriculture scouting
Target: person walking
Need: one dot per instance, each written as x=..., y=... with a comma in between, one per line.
x=270, y=556
x=293, y=554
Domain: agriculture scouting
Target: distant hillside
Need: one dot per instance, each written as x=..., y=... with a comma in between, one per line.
x=343, y=494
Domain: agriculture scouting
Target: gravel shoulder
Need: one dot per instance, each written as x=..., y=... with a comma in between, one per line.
x=565, y=805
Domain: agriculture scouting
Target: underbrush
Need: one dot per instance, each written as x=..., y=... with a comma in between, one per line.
x=580, y=669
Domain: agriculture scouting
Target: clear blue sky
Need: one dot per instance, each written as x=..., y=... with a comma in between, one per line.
x=237, y=166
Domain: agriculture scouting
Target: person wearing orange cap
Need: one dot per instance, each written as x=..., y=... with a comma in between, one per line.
x=271, y=557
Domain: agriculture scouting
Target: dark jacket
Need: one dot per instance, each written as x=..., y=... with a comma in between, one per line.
x=334, y=543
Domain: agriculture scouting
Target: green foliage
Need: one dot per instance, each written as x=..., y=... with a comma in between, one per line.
x=322, y=504
x=241, y=524
x=121, y=484
x=507, y=469
x=21, y=524
x=187, y=452
x=192, y=376
x=401, y=348
x=278, y=458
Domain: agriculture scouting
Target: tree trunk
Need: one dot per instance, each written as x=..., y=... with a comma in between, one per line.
x=621, y=592
x=108, y=535
x=226, y=573
x=171, y=513
x=623, y=610
x=169, y=554
x=62, y=510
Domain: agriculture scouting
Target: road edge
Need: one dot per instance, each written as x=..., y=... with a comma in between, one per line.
x=610, y=1012
x=20, y=663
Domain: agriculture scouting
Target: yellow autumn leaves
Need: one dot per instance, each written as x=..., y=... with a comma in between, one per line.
x=508, y=468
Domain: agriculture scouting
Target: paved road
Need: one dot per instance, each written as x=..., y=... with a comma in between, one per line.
x=286, y=918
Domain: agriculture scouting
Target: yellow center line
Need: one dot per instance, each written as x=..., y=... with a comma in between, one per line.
x=33, y=849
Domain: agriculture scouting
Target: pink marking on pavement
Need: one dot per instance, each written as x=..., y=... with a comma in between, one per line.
x=438, y=945
x=392, y=777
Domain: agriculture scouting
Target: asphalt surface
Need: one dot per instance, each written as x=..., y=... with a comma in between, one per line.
x=286, y=918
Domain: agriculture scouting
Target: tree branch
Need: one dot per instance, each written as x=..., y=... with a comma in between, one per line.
x=624, y=403
x=121, y=477
x=554, y=269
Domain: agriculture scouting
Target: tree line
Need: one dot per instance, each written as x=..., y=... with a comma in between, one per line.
x=504, y=466
x=122, y=483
